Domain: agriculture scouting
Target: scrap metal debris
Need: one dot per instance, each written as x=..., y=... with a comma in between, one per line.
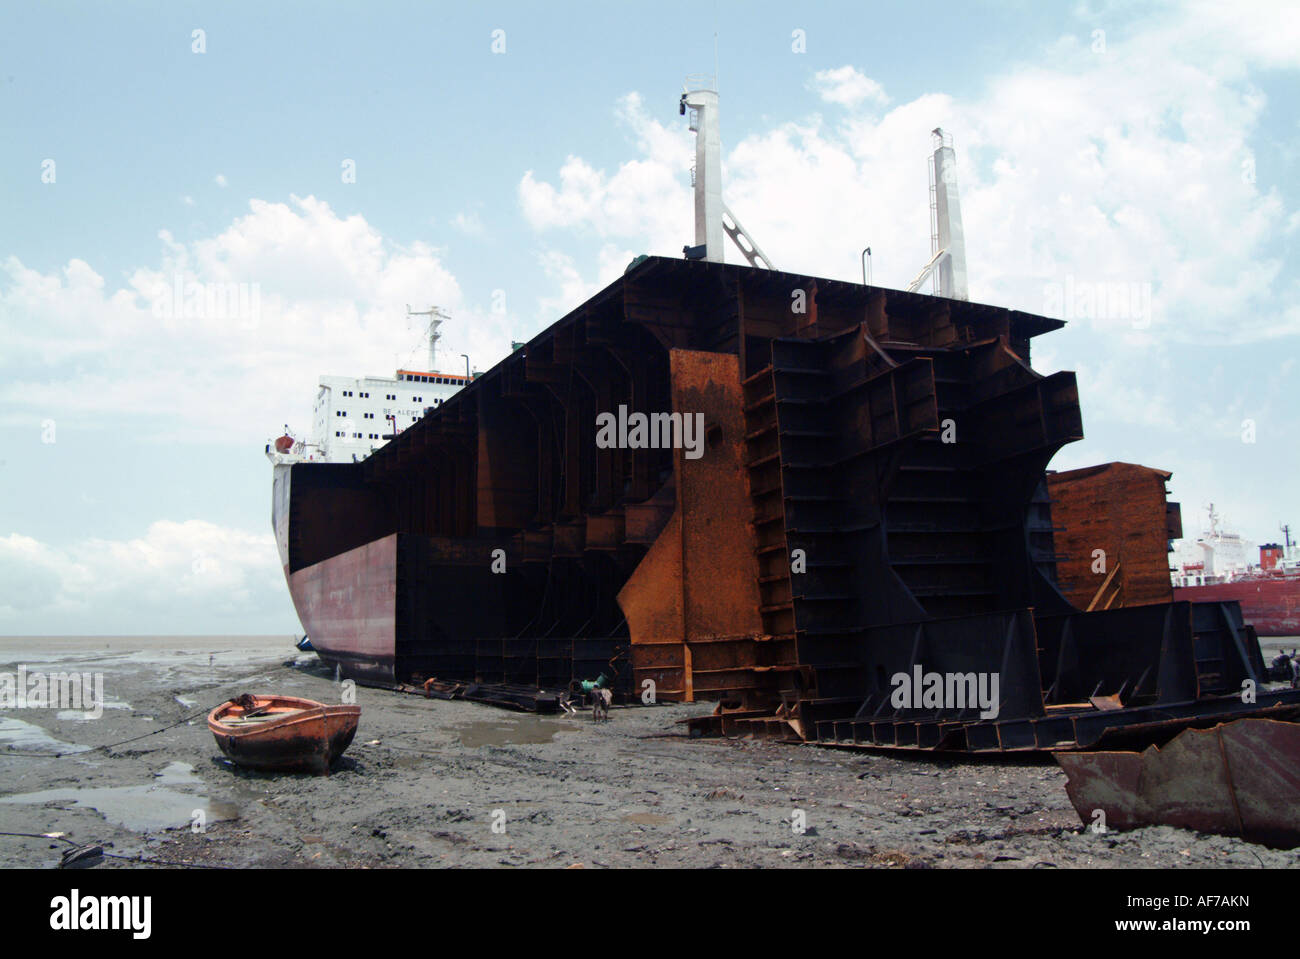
x=1236, y=779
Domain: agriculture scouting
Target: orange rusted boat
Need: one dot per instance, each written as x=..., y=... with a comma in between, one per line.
x=283, y=732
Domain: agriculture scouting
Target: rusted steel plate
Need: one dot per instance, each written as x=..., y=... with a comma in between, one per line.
x=1238, y=779
x=606, y=530
x=347, y=604
x=1121, y=509
x=697, y=586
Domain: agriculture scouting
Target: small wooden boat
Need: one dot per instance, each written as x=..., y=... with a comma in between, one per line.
x=283, y=732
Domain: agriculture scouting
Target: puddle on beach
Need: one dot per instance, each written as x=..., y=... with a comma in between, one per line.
x=177, y=774
x=18, y=734
x=148, y=808
x=80, y=714
x=647, y=819
x=525, y=731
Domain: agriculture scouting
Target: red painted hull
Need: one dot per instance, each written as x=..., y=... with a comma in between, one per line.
x=348, y=605
x=1272, y=606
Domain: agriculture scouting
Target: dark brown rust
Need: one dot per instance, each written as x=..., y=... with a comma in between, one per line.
x=1236, y=779
x=871, y=498
x=1121, y=510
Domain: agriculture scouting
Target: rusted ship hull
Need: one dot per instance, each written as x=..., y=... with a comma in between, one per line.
x=347, y=605
x=347, y=602
x=1272, y=606
x=1236, y=779
x=867, y=497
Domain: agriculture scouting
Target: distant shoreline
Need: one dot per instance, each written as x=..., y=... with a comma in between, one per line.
x=147, y=642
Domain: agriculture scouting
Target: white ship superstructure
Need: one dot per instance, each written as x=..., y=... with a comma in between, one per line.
x=1217, y=556
x=354, y=416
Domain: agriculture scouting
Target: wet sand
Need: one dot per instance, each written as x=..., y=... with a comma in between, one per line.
x=432, y=783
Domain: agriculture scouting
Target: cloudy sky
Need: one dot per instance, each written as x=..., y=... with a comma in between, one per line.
x=1129, y=168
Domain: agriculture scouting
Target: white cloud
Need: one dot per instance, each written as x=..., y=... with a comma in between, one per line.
x=571, y=287
x=469, y=224
x=644, y=198
x=1128, y=169
x=164, y=580
x=220, y=180
x=1118, y=168
x=265, y=308
x=848, y=87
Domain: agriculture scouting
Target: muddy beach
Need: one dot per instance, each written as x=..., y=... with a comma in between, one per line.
x=429, y=783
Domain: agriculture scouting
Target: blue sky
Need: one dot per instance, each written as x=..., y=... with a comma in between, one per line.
x=1126, y=158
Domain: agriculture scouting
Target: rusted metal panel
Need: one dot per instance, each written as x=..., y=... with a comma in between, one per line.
x=698, y=584
x=1237, y=779
x=870, y=497
x=719, y=569
x=347, y=604
x=644, y=521
x=651, y=600
x=606, y=530
x=1121, y=510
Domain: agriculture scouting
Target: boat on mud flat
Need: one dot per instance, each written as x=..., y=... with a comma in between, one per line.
x=283, y=733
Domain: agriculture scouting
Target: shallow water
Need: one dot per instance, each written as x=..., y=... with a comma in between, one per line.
x=79, y=715
x=18, y=734
x=526, y=730
x=151, y=807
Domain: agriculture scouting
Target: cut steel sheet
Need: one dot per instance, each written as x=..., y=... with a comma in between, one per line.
x=1237, y=779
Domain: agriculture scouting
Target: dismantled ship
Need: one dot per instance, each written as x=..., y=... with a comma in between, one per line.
x=871, y=500
x=1268, y=592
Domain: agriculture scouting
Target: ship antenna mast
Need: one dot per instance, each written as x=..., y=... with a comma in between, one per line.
x=436, y=316
x=1286, y=533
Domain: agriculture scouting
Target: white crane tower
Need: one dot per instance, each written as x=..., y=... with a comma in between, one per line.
x=947, y=266
x=712, y=216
